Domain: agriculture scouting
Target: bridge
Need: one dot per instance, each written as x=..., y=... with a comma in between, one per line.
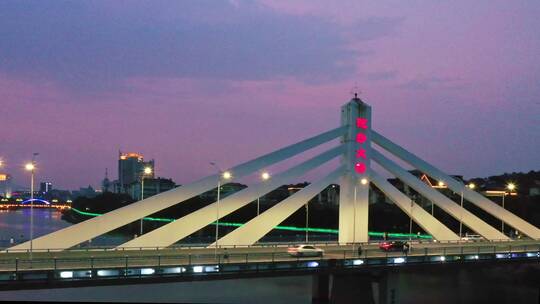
x=37, y=203
x=157, y=254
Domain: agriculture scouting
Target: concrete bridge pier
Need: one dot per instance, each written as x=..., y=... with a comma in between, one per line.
x=345, y=288
x=478, y=282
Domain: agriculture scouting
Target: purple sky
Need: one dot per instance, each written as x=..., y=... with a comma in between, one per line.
x=188, y=82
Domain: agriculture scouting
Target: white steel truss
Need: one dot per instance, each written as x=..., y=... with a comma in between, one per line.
x=355, y=150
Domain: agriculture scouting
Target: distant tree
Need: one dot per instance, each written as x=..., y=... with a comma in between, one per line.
x=102, y=203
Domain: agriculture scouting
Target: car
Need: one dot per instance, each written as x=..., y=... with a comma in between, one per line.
x=305, y=250
x=394, y=246
x=472, y=237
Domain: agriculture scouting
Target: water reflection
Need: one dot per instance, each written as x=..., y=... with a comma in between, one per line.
x=16, y=224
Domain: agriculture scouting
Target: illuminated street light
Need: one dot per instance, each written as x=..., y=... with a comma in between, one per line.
x=226, y=175
x=511, y=186
x=222, y=175
x=471, y=186
x=441, y=184
x=264, y=176
x=364, y=181
x=31, y=167
x=146, y=171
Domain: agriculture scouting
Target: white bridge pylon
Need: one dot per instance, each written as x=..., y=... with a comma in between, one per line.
x=354, y=175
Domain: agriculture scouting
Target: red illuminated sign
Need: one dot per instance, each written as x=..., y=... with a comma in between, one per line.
x=362, y=123
x=361, y=138
x=360, y=168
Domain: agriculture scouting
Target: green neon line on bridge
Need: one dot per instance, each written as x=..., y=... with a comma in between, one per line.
x=289, y=228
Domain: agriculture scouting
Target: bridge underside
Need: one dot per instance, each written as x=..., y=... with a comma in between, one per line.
x=354, y=196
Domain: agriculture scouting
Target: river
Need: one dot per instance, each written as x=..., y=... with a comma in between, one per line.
x=15, y=224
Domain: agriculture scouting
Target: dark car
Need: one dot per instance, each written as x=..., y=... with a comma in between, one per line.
x=394, y=246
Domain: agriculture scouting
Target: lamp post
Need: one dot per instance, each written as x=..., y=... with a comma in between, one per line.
x=264, y=176
x=461, y=216
x=226, y=175
x=307, y=221
x=363, y=182
x=410, y=220
x=470, y=186
x=146, y=171
x=31, y=166
x=511, y=187
x=354, y=220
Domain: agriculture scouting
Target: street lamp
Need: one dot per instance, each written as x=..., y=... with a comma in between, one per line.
x=146, y=171
x=410, y=219
x=30, y=167
x=511, y=187
x=307, y=222
x=471, y=186
x=264, y=176
x=364, y=181
x=225, y=175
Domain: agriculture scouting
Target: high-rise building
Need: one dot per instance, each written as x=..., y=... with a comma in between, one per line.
x=106, y=183
x=5, y=185
x=130, y=168
x=45, y=187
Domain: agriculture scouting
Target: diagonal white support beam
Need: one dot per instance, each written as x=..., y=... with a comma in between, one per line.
x=438, y=199
x=73, y=235
x=458, y=187
x=420, y=216
x=183, y=227
x=256, y=228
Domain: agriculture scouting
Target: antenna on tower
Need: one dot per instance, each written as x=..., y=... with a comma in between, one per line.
x=355, y=91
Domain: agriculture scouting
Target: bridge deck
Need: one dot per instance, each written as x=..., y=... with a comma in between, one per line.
x=192, y=263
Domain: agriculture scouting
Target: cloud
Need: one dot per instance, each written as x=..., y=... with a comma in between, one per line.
x=383, y=75
x=433, y=82
x=89, y=45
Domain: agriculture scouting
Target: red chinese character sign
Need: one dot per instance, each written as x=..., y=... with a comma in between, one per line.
x=360, y=167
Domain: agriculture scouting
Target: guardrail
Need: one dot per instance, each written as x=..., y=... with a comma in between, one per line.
x=256, y=245
x=85, y=268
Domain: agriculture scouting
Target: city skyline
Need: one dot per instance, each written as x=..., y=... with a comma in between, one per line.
x=204, y=82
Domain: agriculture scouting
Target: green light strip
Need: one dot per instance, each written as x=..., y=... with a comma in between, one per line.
x=288, y=228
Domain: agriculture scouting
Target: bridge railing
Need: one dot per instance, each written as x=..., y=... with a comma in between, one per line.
x=191, y=265
x=124, y=260
x=88, y=247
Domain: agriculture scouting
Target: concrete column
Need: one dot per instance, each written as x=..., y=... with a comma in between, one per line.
x=352, y=288
x=321, y=289
x=354, y=196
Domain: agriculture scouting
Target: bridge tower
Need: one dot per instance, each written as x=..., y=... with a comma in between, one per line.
x=354, y=183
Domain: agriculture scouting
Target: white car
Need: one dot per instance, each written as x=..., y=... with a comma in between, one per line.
x=472, y=237
x=305, y=250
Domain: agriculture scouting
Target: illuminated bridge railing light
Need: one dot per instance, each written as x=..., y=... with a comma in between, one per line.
x=288, y=228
